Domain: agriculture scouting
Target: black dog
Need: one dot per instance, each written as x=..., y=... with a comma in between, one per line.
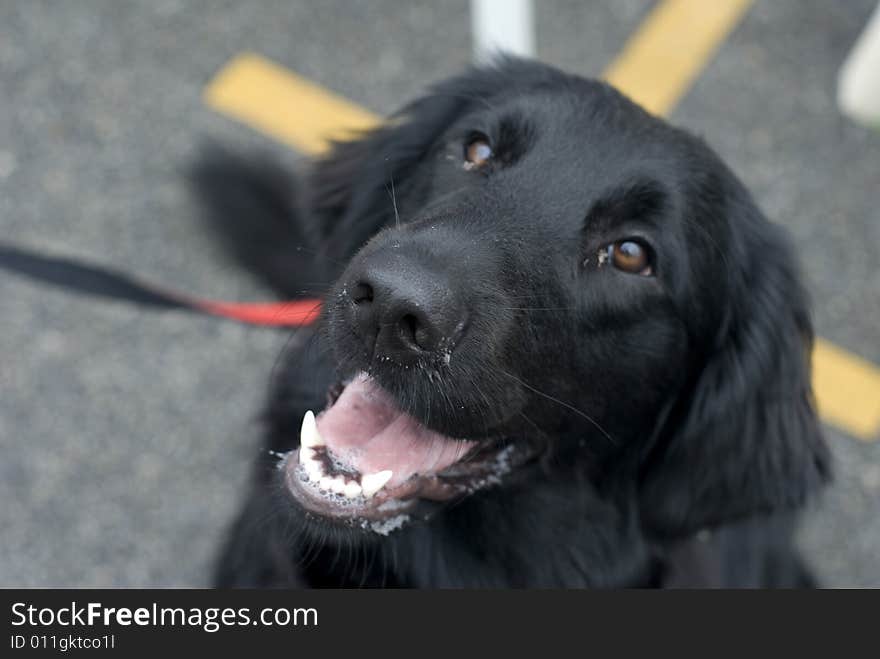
x=563, y=348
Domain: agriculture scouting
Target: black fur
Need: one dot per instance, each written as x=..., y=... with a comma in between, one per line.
x=673, y=416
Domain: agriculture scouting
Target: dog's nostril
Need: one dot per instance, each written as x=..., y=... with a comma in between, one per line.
x=408, y=328
x=362, y=293
x=401, y=311
x=424, y=337
x=416, y=333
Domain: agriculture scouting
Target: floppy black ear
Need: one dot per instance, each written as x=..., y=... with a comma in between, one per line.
x=743, y=438
x=350, y=189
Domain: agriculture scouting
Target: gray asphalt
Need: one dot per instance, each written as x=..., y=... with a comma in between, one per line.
x=126, y=436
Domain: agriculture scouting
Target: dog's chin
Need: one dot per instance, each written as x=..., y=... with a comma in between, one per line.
x=365, y=463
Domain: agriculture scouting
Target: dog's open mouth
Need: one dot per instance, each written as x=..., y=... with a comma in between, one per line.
x=365, y=461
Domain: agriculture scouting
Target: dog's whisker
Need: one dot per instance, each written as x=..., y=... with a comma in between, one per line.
x=580, y=413
x=394, y=202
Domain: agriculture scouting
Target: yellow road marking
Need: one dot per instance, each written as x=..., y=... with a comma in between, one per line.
x=655, y=69
x=670, y=49
x=281, y=104
x=847, y=390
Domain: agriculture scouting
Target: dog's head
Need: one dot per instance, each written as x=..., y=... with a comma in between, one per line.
x=553, y=284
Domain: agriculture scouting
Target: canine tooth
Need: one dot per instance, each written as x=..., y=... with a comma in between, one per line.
x=338, y=485
x=314, y=467
x=315, y=475
x=352, y=489
x=325, y=483
x=372, y=483
x=308, y=434
x=306, y=455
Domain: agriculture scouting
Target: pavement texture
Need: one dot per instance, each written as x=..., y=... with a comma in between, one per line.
x=126, y=436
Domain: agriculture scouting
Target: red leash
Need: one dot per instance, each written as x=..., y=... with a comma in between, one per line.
x=90, y=279
x=294, y=313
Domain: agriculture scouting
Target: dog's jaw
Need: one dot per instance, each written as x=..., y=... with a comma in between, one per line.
x=366, y=463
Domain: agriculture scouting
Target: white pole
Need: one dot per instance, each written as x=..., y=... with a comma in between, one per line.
x=858, y=83
x=502, y=26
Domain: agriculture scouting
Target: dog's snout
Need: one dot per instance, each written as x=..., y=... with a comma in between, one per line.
x=404, y=312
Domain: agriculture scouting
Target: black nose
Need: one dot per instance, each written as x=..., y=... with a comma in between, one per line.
x=404, y=312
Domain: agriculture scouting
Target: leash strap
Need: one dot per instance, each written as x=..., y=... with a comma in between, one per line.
x=99, y=281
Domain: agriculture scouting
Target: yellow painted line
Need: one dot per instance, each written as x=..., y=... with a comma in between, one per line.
x=285, y=106
x=661, y=60
x=847, y=390
x=655, y=68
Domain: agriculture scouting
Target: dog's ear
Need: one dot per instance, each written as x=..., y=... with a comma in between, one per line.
x=743, y=438
x=350, y=189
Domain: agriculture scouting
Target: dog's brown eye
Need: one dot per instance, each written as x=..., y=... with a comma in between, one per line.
x=631, y=256
x=477, y=152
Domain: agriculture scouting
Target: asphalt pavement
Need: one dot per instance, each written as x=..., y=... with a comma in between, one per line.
x=126, y=436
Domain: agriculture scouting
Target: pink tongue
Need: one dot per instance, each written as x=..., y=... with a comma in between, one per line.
x=365, y=430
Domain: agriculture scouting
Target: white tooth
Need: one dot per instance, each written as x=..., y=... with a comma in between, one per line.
x=352, y=489
x=325, y=483
x=338, y=485
x=306, y=455
x=308, y=434
x=372, y=483
x=315, y=475
x=314, y=467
